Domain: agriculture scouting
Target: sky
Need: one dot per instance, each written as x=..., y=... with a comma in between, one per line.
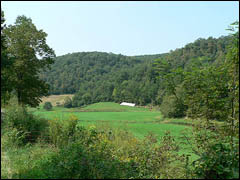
x=128, y=28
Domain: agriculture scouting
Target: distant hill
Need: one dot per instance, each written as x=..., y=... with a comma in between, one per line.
x=71, y=70
x=99, y=76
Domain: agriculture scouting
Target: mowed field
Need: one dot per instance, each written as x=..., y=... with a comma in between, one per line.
x=138, y=120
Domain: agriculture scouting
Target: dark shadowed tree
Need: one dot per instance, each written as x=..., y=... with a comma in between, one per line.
x=27, y=45
x=6, y=62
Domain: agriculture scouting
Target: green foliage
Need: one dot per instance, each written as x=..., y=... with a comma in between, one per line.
x=6, y=63
x=26, y=44
x=218, y=154
x=12, y=138
x=210, y=91
x=232, y=66
x=25, y=125
x=186, y=72
x=47, y=106
x=218, y=162
x=172, y=108
x=61, y=132
x=207, y=93
x=101, y=153
x=156, y=161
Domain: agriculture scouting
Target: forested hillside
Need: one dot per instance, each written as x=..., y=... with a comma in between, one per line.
x=96, y=76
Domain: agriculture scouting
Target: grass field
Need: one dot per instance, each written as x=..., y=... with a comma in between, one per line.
x=138, y=120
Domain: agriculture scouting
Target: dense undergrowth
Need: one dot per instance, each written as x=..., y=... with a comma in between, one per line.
x=32, y=147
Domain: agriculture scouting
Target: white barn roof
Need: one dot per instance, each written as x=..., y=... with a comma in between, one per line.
x=127, y=104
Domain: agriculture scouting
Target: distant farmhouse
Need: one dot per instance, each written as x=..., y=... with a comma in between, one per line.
x=127, y=104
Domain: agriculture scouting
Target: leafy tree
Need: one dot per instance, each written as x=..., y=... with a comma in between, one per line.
x=213, y=92
x=207, y=93
x=47, y=106
x=31, y=55
x=232, y=66
x=232, y=63
x=6, y=62
x=171, y=79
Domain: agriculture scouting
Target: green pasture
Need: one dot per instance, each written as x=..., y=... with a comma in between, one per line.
x=120, y=117
x=138, y=120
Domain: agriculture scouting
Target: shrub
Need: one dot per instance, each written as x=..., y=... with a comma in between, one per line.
x=62, y=131
x=17, y=117
x=219, y=157
x=47, y=106
x=67, y=102
x=12, y=138
x=158, y=160
x=218, y=162
x=218, y=151
x=100, y=153
x=172, y=108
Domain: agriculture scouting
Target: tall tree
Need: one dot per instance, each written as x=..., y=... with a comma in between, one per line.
x=5, y=64
x=31, y=55
x=232, y=64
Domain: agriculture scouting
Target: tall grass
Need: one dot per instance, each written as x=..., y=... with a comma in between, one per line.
x=94, y=152
x=20, y=126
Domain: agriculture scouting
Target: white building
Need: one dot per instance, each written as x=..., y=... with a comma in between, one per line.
x=127, y=104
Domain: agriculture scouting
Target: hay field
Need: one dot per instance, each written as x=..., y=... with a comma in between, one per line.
x=56, y=98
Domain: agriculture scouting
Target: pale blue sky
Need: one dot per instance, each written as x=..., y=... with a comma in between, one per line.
x=129, y=28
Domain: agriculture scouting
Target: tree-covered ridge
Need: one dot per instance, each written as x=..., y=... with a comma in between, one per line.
x=72, y=70
x=208, y=50
x=98, y=76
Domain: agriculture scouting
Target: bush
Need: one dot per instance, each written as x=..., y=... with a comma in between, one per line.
x=62, y=131
x=172, y=108
x=17, y=117
x=99, y=153
x=12, y=138
x=47, y=106
x=218, y=152
x=218, y=162
x=67, y=102
x=158, y=160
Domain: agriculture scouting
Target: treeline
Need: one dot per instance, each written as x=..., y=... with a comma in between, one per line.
x=96, y=76
x=203, y=83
